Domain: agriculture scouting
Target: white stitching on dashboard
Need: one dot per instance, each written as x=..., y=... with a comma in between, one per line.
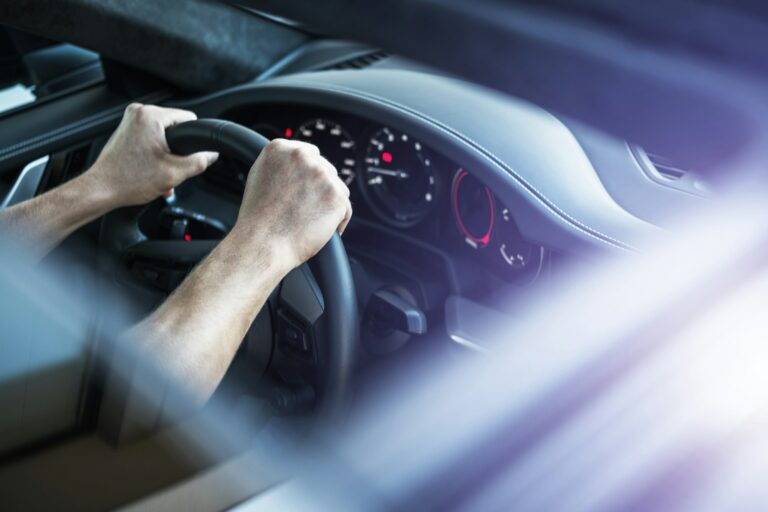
x=48, y=138
x=489, y=155
x=54, y=133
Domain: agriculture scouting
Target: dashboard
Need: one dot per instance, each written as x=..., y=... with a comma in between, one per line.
x=400, y=183
x=464, y=201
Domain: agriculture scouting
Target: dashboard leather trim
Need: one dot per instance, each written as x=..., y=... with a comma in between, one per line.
x=584, y=215
x=493, y=159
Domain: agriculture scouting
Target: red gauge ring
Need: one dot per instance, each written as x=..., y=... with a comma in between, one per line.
x=477, y=241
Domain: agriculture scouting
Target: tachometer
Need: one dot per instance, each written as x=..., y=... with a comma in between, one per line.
x=397, y=178
x=487, y=225
x=473, y=209
x=335, y=144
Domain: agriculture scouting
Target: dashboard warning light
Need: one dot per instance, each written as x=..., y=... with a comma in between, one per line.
x=187, y=237
x=386, y=156
x=288, y=133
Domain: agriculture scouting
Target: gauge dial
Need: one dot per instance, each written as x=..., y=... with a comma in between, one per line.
x=398, y=178
x=335, y=144
x=488, y=226
x=474, y=209
x=516, y=258
x=515, y=252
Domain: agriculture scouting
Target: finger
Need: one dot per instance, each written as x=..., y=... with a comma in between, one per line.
x=329, y=167
x=194, y=164
x=170, y=116
x=294, y=144
x=334, y=174
x=346, y=219
x=313, y=149
x=340, y=183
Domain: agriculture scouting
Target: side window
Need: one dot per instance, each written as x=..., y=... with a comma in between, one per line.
x=15, y=96
x=32, y=68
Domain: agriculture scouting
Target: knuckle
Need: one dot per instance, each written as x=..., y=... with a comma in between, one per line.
x=157, y=149
x=275, y=145
x=132, y=108
x=331, y=194
x=305, y=151
x=306, y=158
x=328, y=196
x=141, y=112
x=317, y=170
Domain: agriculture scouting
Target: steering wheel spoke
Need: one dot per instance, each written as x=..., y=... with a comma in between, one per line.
x=301, y=293
x=300, y=306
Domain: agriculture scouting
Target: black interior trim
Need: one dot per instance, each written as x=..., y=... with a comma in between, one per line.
x=51, y=126
x=163, y=37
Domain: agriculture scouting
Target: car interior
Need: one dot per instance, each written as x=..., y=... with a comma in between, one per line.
x=456, y=225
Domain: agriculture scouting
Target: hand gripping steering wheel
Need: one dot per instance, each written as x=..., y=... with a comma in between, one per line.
x=314, y=312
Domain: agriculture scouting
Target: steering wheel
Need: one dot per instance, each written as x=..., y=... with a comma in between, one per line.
x=313, y=313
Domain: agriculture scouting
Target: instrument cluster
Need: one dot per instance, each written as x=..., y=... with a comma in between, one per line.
x=400, y=183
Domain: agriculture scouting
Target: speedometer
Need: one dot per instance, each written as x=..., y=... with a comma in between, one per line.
x=398, y=179
x=335, y=144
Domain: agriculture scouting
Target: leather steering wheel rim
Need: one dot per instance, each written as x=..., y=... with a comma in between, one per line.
x=331, y=269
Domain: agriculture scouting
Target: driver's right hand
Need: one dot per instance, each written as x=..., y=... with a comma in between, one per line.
x=295, y=200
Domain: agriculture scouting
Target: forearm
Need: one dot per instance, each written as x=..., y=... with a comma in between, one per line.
x=134, y=168
x=44, y=221
x=196, y=332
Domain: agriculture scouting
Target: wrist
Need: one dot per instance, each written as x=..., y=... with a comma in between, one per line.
x=96, y=191
x=256, y=241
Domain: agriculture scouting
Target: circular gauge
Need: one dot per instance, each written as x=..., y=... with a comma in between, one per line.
x=516, y=256
x=473, y=208
x=267, y=130
x=335, y=144
x=398, y=178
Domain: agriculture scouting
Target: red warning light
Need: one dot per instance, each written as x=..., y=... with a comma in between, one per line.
x=386, y=156
x=187, y=237
x=288, y=133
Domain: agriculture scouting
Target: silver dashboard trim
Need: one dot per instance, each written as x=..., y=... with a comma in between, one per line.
x=27, y=183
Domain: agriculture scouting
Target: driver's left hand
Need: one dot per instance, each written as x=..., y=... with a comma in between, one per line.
x=136, y=165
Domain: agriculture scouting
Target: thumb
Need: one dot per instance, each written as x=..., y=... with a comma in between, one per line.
x=196, y=163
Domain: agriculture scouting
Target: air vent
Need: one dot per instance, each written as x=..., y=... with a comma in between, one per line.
x=666, y=167
x=359, y=62
x=659, y=167
x=670, y=173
